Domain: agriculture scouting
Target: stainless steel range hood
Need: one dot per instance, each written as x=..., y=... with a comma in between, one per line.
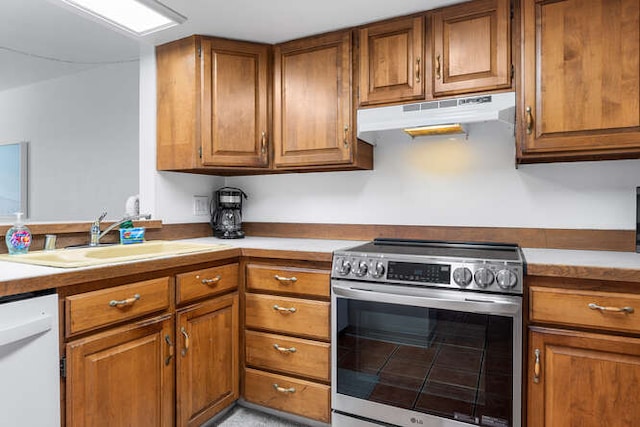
x=453, y=111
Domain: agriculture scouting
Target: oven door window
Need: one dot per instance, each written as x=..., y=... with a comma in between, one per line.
x=451, y=364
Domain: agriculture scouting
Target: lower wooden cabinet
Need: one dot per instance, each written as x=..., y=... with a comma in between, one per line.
x=122, y=377
x=300, y=397
x=207, y=359
x=582, y=379
x=132, y=366
x=287, y=353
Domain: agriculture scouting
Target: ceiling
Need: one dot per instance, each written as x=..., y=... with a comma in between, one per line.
x=40, y=40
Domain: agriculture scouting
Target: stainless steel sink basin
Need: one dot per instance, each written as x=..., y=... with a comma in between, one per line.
x=88, y=256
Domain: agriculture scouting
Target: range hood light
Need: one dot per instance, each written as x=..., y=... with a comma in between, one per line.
x=436, y=130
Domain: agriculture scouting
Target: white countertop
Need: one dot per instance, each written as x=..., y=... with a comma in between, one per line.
x=571, y=258
x=575, y=258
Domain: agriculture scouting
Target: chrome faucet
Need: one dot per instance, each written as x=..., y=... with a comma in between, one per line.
x=96, y=235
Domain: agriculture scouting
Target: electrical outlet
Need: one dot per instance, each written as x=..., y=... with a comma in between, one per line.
x=200, y=205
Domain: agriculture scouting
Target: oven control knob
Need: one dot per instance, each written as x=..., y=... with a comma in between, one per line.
x=362, y=269
x=378, y=270
x=506, y=279
x=344, y=267
x=462, y=276
x=484, y=277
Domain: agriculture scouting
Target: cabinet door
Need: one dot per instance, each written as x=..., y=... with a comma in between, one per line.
x=391, y=62
x=234, y=103
x=207, y=359
x=312, y=102
x=582, y=379
x=123, y=377
x=471, y=47
x=581, y=79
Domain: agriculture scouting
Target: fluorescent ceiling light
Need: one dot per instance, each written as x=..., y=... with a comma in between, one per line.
x=140, y=17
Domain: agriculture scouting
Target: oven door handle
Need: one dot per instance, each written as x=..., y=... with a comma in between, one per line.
x=475, y=303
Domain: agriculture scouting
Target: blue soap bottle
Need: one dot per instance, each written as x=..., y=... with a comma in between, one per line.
x=18, y=237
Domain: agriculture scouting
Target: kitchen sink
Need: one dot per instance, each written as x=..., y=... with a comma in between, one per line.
x=88, y=256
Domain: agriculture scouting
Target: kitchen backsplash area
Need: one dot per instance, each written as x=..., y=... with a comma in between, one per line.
x=470, y=182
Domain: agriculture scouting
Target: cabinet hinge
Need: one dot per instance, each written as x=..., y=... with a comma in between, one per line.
x=200, y=152
x=63, y=367
x=199, y=51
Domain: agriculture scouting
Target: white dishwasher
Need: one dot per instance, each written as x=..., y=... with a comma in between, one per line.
x=29, y=367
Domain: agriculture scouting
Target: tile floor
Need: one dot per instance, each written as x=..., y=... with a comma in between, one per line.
x=244, y=417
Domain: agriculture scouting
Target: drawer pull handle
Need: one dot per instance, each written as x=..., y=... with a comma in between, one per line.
x=418, y=70
x=186, y=341
x=286, y=280
x=284, y=349
x=167, y=360
x=284, y=309
x=438, y=73
x=536, y=367
x=213, y=281
x=124, y=302
x=594, y=306
x=284, y=390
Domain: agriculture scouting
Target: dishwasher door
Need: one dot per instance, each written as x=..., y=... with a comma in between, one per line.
x=29, y=367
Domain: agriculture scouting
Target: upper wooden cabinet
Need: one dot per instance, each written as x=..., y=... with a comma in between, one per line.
x=212, y=105
x=314, y=117
x=235, y=126
x=580, y=90
x=471, y=47
x=392, y=61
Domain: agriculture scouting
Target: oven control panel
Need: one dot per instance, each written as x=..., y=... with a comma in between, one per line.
x=492, y=276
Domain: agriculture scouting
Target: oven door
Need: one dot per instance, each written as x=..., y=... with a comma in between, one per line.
x=415, y=356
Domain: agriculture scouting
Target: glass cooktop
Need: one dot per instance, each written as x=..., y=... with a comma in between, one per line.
x=434, y=248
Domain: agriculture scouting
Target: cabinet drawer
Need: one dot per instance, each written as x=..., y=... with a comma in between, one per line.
x=288, y=355
x=580, y=308
x=293, y=316
x=206, y=282
x=300, y=397
x=107, y=306
x=288, y=280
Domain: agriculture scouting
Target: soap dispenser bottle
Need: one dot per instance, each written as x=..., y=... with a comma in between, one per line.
x=18, y=237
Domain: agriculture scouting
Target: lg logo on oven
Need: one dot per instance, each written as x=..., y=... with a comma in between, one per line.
x=416, y=421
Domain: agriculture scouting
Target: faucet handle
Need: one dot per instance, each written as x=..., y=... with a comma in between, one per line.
x=103, y=216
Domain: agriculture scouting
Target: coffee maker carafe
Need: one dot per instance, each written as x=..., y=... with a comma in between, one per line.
x=226, y=215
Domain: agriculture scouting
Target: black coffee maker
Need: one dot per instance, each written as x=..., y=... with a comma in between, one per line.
x=226, y=213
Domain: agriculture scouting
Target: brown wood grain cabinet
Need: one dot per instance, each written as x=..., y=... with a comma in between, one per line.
x=392, y=61
x=286, y=339
x=583, y=355
x=580, y=89
x=143, y=360
x=207, y=359
x=471, y=47
x=314, y=117
x=121, y=377
x=213, y=105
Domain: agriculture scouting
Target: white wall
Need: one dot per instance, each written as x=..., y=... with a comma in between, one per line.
x=468, y=183
x=82, y=131
x=166, y=195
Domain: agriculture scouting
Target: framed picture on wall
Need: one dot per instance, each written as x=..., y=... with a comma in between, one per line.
x=13, y=179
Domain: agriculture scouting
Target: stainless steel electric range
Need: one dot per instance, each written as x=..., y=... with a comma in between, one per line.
x=427, y=333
